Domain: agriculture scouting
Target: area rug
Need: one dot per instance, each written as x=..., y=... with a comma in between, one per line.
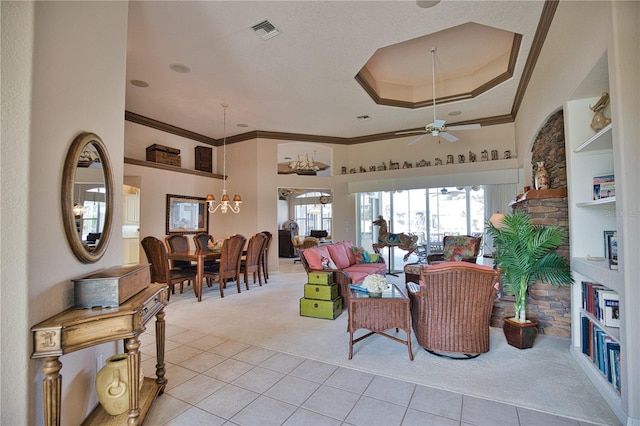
x=543, y=378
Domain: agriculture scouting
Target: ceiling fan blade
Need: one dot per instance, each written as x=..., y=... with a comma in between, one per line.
x=410, y=132
x=464, y=127
x=438, y=123
x=448, y=136
x=418, y=139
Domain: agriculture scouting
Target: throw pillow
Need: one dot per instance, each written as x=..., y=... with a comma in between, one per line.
x=373, y=257
x=459, y=248
x=358, y=253
x=327, y=263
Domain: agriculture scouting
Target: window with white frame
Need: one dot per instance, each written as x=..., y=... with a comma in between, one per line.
x=429, y=213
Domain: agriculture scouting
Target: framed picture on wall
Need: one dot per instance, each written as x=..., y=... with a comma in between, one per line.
x=186, y=215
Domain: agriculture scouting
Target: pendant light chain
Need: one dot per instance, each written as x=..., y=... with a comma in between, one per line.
x=225, y=204
x=224, y=147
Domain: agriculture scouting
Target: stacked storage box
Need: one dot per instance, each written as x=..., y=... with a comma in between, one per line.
x=321, y=298
x=163, y=154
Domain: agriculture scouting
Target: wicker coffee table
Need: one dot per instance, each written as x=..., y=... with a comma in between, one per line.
x=392, y=310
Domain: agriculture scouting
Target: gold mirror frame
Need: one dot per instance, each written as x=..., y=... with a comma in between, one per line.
x=80, y=250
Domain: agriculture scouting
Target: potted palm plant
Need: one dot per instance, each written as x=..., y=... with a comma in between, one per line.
x=526, y=253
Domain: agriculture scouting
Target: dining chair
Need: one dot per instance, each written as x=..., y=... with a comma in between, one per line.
x=175, y=243
x=229, y=265
x=161, y=270
x=296, y=241
x=251, y=262
x=265, y=255
x=201, y=240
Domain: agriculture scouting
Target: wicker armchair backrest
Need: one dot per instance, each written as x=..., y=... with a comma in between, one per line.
x=452, y=311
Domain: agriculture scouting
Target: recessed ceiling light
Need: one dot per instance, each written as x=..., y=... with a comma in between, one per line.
x=425, y=4
x=242, y=125
x=363, y=117
x=454, y=113
x=139, y=83
x=183, y=69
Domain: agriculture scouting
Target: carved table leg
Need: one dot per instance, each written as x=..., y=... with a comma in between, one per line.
x=133, y=373
x=160, y=370
x=52, y=390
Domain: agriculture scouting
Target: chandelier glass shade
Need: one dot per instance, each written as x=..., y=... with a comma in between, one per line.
x=225, y=204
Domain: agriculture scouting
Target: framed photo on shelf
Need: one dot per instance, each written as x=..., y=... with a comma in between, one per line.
x=186, y=215
x=611, y=248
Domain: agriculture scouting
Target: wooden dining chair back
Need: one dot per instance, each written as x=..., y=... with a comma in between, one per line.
x=265, y=255
x=161, y=271
x=252, y=261
x=451, y=308
x=229, y=265
x=178, y=243
x=201, y=240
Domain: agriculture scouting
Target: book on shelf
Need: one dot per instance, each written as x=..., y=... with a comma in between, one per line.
x=611, y=309
x=602, y=349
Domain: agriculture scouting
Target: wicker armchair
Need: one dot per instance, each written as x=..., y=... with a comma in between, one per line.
x=451, y=312
x=456, y=248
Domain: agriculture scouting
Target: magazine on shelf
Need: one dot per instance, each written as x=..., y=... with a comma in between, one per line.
x=604, y=186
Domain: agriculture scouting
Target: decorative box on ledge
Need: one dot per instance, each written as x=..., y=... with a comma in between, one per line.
x=111, y=287
x=163, y=154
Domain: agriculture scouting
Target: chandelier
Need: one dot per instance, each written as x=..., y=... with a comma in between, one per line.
x=225, y=203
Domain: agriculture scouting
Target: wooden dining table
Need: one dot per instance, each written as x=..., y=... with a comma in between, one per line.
x=200, y=256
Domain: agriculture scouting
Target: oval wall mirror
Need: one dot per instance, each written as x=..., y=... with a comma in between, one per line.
x=87, y=197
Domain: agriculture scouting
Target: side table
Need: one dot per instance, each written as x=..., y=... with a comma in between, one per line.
x=76, y=329
x=379, y=314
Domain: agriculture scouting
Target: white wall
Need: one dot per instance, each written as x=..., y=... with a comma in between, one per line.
x=66, y=74
x=582, y=32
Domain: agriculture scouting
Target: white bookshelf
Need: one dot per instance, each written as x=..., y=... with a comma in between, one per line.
x=590, y=154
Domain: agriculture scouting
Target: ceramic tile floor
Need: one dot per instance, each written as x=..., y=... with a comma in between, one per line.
x=213, y=381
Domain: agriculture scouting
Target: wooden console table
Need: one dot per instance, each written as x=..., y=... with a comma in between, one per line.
x=76, y=329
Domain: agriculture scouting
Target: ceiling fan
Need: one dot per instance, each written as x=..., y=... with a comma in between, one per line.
x=437, y=127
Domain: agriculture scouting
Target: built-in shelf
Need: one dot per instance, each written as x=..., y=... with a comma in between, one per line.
x=600, y=202
x=598, y=142
x=606, y=390
x=167, y=167
x=539, y=194
x=597, y=271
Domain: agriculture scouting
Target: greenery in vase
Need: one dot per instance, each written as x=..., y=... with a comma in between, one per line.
x=525, y=253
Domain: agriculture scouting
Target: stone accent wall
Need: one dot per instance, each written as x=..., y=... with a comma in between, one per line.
x=549, y=147
x=550, y=306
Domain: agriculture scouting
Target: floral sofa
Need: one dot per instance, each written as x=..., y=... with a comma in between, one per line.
x=348, y=263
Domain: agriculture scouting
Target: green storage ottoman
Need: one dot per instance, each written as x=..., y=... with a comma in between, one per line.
x=318, y=277
x=320, y=291
x=327, y=309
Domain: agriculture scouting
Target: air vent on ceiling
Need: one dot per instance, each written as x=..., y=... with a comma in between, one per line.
x=265, y=29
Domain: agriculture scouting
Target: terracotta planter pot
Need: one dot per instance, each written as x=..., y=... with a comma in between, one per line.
x=518, y=334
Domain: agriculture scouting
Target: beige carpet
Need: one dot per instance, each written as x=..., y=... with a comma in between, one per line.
x=543, y=378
